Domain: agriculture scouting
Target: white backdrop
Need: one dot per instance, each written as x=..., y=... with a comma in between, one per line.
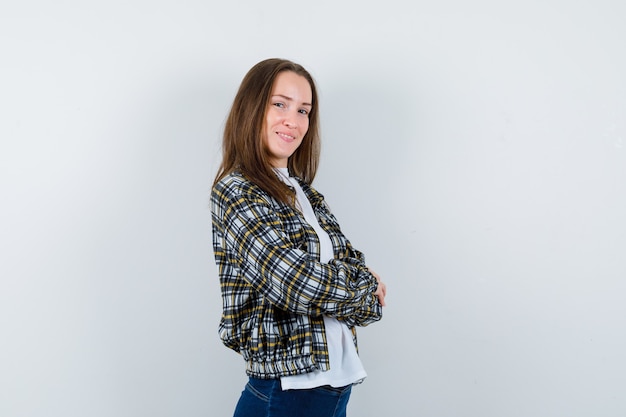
x=475, y=151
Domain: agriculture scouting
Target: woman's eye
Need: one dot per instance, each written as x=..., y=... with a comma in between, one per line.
x=280, y=105
x=304, y=111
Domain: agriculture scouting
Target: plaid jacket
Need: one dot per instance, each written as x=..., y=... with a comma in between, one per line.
x=274, y=288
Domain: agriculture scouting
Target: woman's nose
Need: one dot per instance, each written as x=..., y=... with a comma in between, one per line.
x=290, y=122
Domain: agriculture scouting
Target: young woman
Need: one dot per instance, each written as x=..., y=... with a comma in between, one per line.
x=293, y=287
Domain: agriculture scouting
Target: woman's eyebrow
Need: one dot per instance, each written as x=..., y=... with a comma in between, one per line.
x=290, y=99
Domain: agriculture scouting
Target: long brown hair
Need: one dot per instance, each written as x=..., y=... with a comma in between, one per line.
x=242, y=146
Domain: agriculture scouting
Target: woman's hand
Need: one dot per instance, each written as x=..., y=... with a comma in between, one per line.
x=381, y=291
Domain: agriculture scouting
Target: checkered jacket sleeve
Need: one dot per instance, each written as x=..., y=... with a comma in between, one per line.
x=270, y=247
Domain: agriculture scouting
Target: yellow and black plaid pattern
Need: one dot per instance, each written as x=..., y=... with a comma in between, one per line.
x=274, y=288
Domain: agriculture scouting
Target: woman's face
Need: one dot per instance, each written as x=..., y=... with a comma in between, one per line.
x=286, y=117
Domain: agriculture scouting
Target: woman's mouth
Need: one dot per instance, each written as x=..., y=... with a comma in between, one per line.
x=286, y=137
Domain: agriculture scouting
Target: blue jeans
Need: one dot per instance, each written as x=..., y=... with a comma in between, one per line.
x=265, y=398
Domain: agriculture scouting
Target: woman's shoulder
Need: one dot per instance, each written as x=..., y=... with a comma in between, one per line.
x=235, y=184
x=233, y=179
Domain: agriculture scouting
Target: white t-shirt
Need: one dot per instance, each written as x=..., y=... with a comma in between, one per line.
x=345, y=365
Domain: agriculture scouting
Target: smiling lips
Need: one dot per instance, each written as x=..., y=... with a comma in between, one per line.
x=286, y=137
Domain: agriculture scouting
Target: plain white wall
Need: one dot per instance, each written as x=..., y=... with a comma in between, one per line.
x=475, y=151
